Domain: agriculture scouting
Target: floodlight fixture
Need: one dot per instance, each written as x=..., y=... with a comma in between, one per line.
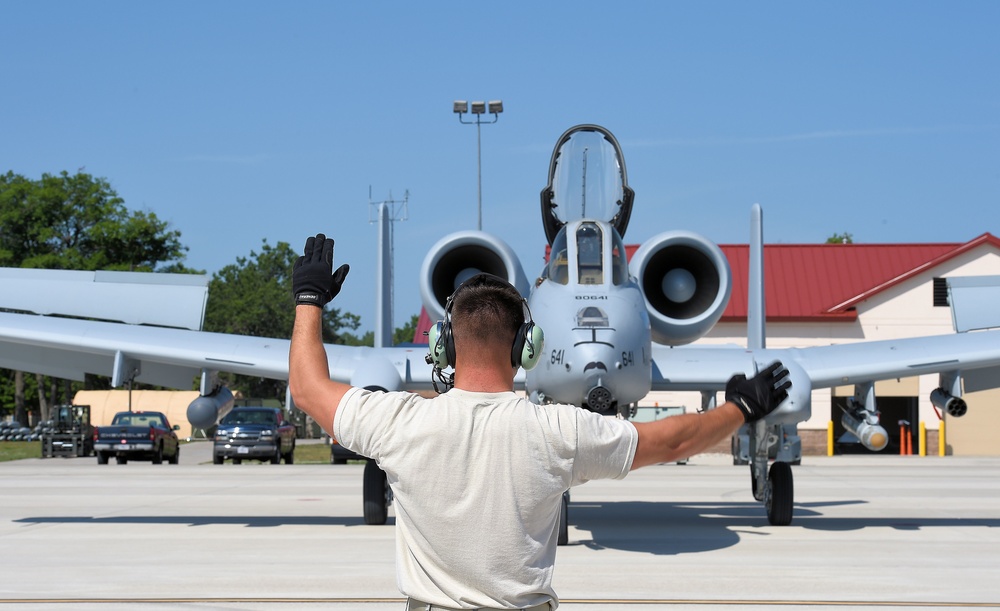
x=479, y=108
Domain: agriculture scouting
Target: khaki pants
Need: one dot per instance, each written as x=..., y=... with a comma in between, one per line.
x=416, y=605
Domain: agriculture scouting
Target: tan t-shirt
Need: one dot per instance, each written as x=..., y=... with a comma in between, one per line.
x=477, y=480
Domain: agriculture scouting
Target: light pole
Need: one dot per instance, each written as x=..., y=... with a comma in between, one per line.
x=495, y=107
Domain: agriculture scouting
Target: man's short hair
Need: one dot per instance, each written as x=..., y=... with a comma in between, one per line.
x=487, y=309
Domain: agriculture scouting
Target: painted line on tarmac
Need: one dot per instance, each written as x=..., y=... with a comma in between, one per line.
x=565, y=601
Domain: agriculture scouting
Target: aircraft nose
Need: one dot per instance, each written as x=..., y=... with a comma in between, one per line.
x=598, y=365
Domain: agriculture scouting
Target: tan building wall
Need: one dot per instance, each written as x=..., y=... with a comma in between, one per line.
x=977, y=433
x=104, y=404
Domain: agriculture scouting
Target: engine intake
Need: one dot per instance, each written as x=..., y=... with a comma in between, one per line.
x=686, y=283
x=459, y=256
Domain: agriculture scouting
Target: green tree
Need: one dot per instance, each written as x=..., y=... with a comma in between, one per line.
x=254, y=297
x=77, y=222
x=402, y=335
x=840, y=238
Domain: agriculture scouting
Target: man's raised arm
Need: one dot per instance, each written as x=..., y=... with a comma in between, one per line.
x=314, y=284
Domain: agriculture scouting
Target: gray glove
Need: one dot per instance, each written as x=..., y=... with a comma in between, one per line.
x=313, y=280
x=760, y=395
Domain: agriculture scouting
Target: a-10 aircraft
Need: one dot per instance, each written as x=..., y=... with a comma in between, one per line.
x=614, y=331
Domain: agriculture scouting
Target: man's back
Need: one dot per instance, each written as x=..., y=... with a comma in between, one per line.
x=478, y=480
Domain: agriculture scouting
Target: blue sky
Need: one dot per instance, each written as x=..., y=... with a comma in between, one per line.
x=244, y=121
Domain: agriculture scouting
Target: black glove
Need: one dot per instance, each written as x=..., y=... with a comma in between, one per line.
x=312, y=280
x=760, y=395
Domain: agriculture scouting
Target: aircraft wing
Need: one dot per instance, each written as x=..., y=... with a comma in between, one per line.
x=708, y=368
x=69, y=348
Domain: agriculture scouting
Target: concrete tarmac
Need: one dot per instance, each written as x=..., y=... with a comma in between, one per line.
x=868, y=533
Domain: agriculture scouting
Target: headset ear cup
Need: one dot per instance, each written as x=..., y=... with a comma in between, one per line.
x=449, y=343
x=517, y=348
x=436, y=341
x=532, y=341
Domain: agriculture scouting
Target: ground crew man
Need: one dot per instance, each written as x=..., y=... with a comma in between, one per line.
x=478, y=473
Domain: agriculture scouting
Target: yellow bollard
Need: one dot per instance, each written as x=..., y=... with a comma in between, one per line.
x=829, y=438
x=923, y=438
x=941, y=439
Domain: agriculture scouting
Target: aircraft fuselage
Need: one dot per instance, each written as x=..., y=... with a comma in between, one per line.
x=597, y=349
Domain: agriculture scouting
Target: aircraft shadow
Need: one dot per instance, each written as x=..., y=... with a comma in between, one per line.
x=662, y=528
x=248, y=521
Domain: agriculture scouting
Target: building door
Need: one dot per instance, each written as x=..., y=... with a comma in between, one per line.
x=892, y=410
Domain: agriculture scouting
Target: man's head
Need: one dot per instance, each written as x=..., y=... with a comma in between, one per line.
x=486, y=311
x=485, y=321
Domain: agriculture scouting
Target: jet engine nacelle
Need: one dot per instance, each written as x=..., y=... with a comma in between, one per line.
x=206, y=410
x=945, y=401
x=686, y=283
x=458, y=257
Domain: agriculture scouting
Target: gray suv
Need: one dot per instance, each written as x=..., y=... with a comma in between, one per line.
x=256, y=433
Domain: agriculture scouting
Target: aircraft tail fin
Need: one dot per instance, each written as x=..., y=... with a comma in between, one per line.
x=756, y=310
x=973, y=302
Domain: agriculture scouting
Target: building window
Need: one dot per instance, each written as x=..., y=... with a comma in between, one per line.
x=940, y=292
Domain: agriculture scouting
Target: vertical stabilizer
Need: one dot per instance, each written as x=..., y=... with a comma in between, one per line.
x=756, y=336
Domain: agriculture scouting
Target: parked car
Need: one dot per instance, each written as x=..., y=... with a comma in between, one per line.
x=137, y=436
x=257, y=433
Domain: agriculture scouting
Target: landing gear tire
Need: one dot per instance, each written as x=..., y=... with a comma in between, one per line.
x=376, y=495
x=564, y=520
x=781, y=499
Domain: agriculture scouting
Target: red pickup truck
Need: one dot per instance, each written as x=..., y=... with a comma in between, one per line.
x=137, y=436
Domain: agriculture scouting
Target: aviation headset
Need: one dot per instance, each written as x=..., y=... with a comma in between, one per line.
x=525, y=352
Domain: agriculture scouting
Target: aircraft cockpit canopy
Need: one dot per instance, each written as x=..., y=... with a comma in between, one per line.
x=588, y=254
x=587, y=251
x=587, y=180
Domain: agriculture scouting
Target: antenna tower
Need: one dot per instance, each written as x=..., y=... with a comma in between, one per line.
x=385, y=213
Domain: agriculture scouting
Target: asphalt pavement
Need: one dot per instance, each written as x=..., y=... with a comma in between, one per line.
x=868, y=532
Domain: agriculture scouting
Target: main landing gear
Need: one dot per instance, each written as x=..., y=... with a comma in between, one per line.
x=377, y=495
x=774, y=487
x=563, y=538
